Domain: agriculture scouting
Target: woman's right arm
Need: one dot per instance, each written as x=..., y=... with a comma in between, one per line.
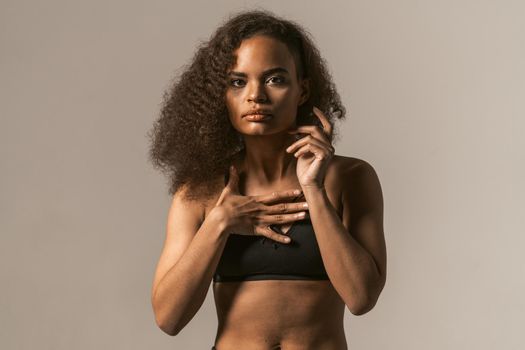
x=190, y=255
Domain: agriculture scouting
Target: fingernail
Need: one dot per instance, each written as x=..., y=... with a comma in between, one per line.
x=287, y=240
x=297, y=192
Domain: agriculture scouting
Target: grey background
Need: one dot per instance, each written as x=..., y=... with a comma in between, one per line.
x=434, y=91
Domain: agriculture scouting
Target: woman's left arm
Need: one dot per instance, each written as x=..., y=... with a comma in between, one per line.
x=353, y=248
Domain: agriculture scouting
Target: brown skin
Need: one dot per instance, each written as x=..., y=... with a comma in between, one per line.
x=194, y=159
x=280, y=93
x=344, y=197
x=343, y=194
x=344, y=204
x=294, y=314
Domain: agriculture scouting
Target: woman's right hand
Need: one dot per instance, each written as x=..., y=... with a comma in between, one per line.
x=252, y=215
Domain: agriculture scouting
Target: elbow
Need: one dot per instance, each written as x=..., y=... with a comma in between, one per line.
x=166, y=327
x=165, y=323
x=169, y=331
x=361, y=305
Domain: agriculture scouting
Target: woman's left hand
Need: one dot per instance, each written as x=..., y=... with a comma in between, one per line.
x=313, y=152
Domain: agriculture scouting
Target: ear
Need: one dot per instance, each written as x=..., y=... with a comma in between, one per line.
x=305, y=90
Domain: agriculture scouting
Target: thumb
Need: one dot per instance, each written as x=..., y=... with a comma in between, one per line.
x=233, y=180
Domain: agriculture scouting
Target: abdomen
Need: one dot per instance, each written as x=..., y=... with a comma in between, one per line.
x=269, y=314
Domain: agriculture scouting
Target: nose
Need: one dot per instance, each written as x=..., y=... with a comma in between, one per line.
x=257, y=93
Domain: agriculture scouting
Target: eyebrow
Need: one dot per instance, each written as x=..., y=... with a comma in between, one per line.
x=266, y=72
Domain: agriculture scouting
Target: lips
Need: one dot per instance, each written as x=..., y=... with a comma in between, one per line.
x=257, y=117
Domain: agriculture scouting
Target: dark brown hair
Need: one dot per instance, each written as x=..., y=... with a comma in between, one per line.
x=193, y=141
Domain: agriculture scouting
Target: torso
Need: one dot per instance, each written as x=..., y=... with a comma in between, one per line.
x=283, y=314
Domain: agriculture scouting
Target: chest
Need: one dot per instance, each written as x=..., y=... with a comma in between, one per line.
x=249, y=257
x=333, y=186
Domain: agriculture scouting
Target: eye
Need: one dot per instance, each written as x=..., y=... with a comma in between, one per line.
x=278, y=79
x=233, y=82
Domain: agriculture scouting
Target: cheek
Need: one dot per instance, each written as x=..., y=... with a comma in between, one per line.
x=287, y=101
x=287, y=95
x=233, y=110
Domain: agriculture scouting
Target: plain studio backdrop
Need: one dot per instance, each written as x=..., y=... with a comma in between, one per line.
x=434, y=92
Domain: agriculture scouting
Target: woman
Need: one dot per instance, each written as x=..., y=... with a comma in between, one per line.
x=238, y=110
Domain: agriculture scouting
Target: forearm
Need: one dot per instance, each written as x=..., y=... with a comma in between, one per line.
x=351, y=269
x=181, y=292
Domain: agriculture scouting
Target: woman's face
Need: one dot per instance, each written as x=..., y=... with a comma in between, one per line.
x=264, y=79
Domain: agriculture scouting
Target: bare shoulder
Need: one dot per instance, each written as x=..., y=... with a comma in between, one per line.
x=354, y=181
x=342, y=163
x=359, y=184
x=343, y=170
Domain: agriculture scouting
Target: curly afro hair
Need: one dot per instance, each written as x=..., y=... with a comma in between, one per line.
x=193, y=141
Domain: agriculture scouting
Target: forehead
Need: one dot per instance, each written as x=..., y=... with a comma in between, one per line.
x=263, y=52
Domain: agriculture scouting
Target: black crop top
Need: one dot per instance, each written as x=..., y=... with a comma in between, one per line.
x=250, y=258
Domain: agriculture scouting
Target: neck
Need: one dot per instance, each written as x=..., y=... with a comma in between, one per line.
x=266, y=160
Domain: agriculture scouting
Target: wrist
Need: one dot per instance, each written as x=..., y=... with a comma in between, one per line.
x=314, y=192
x=312, y=188
x=219, y=219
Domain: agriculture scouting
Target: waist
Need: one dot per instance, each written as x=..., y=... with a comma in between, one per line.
x=299, y=313
x=333, y=339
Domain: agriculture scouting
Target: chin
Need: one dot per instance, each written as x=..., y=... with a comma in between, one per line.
x=258, y=132
x=268, y=127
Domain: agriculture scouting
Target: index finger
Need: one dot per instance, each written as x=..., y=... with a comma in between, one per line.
x=327, y=127
x=279, y=195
